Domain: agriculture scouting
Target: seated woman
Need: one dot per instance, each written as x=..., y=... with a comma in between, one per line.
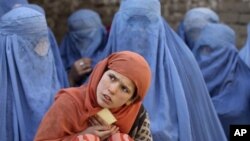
x=117, y=84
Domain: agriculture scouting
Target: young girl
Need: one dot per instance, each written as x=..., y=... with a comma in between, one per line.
x=116, y=83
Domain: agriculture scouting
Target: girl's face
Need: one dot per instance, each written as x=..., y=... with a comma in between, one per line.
x=114, y=90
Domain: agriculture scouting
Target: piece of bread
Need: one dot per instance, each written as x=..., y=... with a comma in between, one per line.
x=107, y=116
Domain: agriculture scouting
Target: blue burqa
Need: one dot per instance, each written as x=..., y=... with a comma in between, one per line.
x=86, y=38
x=7, y=5
x=226, y=75
x=61, y=72
x=178, y=102
x=245, y=50
x=193, y=22
x=28, y=75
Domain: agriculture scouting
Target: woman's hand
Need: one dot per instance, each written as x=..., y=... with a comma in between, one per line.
x=80, y=68
x=103, y=132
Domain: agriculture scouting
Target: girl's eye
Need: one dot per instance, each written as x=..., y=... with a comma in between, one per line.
x=125, y=89
x=112, y=77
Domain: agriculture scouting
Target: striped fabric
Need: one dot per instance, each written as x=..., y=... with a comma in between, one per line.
x=115, y=137
x=120, y=137
x=87, y=137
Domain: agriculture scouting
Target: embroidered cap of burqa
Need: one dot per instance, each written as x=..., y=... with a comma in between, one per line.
x=245, y=50
x=7, y=5
x=86, y=38
x=28, y=74
x=194, y=20
x=226, y=75
x=138, y=27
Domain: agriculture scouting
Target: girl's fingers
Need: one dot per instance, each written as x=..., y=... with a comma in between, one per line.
x=104, y=134
x=114, y=129
x=94, y=121
x=100, y=120
x=101, y=128
x=104, y=131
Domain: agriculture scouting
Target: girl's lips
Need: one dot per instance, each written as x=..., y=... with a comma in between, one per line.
x=107, y=99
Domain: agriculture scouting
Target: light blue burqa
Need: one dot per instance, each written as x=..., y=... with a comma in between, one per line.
x=86, y=38
x=180, y=109
x=226, y=75
x=193, y=22
x=7, y=5
x=62, y=75
x=245, y=50
x=28, y=75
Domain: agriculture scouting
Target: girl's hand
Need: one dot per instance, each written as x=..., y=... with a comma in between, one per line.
x=103, y=132
x=95, y=120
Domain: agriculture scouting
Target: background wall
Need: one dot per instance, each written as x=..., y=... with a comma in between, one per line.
x=235, y=13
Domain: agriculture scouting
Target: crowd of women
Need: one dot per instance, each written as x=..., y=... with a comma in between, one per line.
x=160, y=84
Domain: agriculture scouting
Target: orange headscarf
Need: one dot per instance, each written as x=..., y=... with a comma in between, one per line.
x=73, y=106
x=130, y=65
x=127, y=63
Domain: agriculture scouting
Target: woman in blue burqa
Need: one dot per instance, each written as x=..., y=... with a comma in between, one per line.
x=193, y=22
x=226, y=75
x=61, y=73
x=28, y=75
x=81, y=46
x=245, y=50
x=7, y=5
x=178, y=101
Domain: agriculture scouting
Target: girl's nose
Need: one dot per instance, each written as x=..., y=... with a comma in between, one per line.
x=113, y=87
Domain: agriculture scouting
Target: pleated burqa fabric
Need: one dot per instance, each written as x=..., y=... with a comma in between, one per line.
x=28, y=75
x=178, y=101
x=245, y=50
x=226, y=75
x=61, y=72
